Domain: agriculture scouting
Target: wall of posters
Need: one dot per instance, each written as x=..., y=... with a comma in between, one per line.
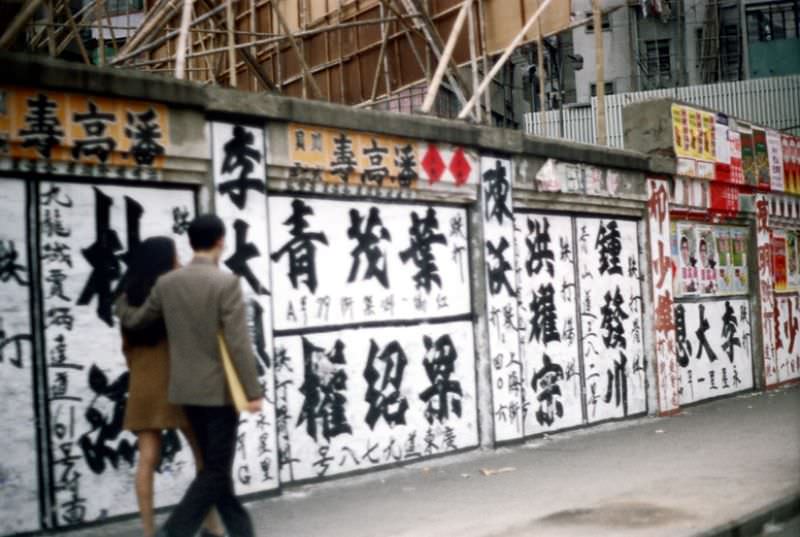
x=502, y=260
x=787, y=342
x=611, y=317
x=713, y=342
x=711, y=260
x=374, y=354
x=694, y=139
x=86, y=233
x=548, y=322
x=19, y=509
x=239, y=171
x=663, y=272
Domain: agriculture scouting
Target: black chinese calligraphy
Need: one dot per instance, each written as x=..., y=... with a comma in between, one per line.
x=609, y=246
x=245, y=251
x=240, y=154
x=368, y=236
x=612, y=320
x=539, y=252
x=14, y=348
x=144, y=133
x=544, y=318
x=384, y=375
x=684, y=350
x=344, y=161
x=324, y=387
x=704, y=346
x=102, y=443
x=497, y=266
x=96, y=143
x=300, y=248
x=497, y=192
x=444, y=394
x=729, y=330
x=377, y=171
x=10, y=268
x=547, y=380
x=617, y=383
x=422, y=237
x=406, y=162
x=42, y=127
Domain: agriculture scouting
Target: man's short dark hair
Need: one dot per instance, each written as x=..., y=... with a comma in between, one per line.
x=205, y=230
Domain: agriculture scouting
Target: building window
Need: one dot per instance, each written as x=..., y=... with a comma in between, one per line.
x=604, y=21
x=657, y=61
x=609, y=88
x=778, y=20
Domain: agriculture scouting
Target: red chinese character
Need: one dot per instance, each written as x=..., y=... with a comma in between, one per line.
x=762, y=215
x=658, y=204
x=662, y=265
x=664, y=318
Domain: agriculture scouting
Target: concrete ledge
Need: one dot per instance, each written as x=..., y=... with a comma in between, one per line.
x=46, y=73
x=752, y=524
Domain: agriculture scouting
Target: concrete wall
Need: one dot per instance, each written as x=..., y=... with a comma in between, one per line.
x=415, y=287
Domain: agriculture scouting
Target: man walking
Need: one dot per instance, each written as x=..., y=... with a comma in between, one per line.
x=196, y=302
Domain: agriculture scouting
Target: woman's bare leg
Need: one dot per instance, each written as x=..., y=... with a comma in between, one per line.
x=149, y=454
x=212, y=522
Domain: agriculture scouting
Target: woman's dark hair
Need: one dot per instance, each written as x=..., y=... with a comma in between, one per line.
x=152, y=258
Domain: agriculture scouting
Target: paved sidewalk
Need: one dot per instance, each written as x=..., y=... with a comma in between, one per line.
x=680, y=476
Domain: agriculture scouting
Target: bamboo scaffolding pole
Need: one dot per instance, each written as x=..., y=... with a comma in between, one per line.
x=447, y=53
x=110, y=28
x=161, y=40
x=158, y=17
x=231, y=43
x=502, y=60
x=387, y=77
x=409, y=29
x=101, y=42
x=488, y=93
x=435, y=43
x=74, y=33
x=180, y=60
x=19, y=23
x=600, y=85
x=384, y=40
x=473, y=60
x=341, y=55
x=51, y=37
x=297, y=51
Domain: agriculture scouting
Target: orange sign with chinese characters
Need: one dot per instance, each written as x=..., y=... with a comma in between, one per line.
x=82, y=131
x=352, y=158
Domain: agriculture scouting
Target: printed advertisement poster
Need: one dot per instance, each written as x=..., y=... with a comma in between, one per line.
x=706, y=247
x=739, y=260
x=722, y=150
x=735, y=141
x=748, y=154
x=775, y=160
x=687, y=280
x=724, y=260
x=761, y=158
x=793, y=274
x=779, y=259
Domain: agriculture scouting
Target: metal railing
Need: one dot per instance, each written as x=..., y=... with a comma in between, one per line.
x=771, y=102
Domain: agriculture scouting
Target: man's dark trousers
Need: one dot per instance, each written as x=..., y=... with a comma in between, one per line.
x=215, y=429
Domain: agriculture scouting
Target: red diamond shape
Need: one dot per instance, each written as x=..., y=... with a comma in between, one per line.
x=433, y=164
x=459, y=167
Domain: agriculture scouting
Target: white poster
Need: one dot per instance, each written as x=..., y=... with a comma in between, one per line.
x=239, y=167
x=19, y=509
x=611, y=317
x=713, y=347
x=500, y=251
x=787, y=338
x=86, y=234
x=359, y=398
x=549, y=331
x=775, y=155
x=662, y=270
x=347, y=261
